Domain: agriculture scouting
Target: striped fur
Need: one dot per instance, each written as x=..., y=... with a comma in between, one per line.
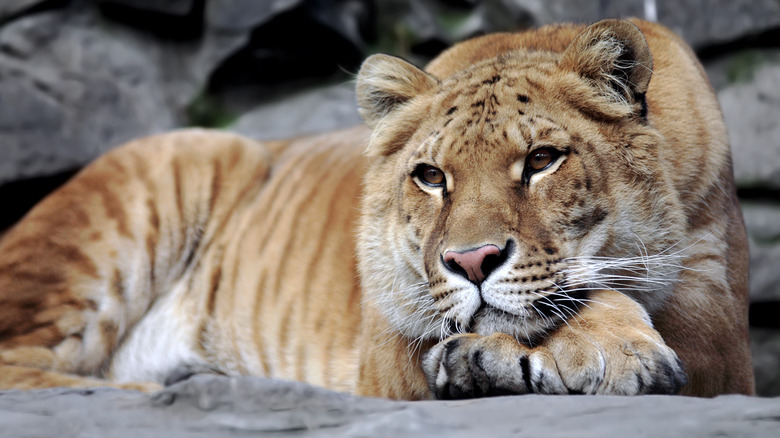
x=623, y=264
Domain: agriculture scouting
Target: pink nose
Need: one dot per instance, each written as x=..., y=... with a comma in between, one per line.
x=472, y=262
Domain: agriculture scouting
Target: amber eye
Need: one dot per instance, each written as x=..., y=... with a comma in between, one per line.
x=539, y=159
x=430, y=175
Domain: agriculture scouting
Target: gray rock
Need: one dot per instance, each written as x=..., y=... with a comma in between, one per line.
x=739, y=66
x=701, y=23
x=555, y=11
x=704, y=23
x=765, y=347
x=243, y=15
x=72, y=87
x=751, y=112
x=344, y=17
x=763, y=225
x=310, y=112
x=185, y=67
x=172, y=7
x=69, y=92
x=219, y=406
x=10, y=7
x=762, y=220
x=764, y=272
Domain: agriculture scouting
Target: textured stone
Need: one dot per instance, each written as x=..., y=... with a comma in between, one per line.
x=701, y=23
x=429, y=26
x=763, y=220
x=241, y=14
x=765, y=347
x=763, y=224
x=704, y=23
x=310, y=112
x=69, y=92
x=10, y=7
x=173, y=7
x=290, y=41
x=751, y=112
x=764, y=272
x=72, y=88
x=219, y=406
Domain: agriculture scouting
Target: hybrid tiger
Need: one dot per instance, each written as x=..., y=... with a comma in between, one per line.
x=542, y=212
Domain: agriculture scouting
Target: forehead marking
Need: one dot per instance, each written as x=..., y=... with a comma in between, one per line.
x=533, y=83
x=427, y=145
x=484, y=113
x=492, y=80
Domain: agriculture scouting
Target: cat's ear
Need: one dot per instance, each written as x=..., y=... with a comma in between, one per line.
x=386, y=82
x=613, y=56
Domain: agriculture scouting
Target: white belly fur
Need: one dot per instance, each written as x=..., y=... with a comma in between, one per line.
x=161, y=341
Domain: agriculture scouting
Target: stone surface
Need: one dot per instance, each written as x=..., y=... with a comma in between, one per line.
x=751, y=113
x=764, y=272
x=762, y=219
x=311, y=112
x=236, y=407
x=69, y=92
x=240, y=14
x=173, y=7
x=11, y=7
x=765, y=347
x=701, y=23
x=705, y=23
x=72, y=87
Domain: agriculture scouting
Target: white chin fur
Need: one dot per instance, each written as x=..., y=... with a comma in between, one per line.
x=523, y=328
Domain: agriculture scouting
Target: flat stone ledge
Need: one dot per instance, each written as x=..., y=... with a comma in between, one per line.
x=236, y=407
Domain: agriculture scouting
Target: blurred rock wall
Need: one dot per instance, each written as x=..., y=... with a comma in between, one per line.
x=78, y=77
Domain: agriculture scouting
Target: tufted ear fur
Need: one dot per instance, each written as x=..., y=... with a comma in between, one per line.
x=385, y=82
x=614, y=57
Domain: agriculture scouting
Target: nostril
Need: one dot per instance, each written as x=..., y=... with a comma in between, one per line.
x=454, y=266
x=474, y=264
x=493, y=261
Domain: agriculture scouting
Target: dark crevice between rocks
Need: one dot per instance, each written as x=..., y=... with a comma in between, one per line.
x=18, y=197
x=187, y=27
x=762, y=40
x=764, y=314
x=293, y=47
x=759, y=194
x=430, y=48
x=43, y=6
x=296, y=50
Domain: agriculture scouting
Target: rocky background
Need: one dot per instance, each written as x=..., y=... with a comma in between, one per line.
x=78, y=77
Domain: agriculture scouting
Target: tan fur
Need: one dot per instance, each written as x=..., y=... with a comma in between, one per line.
x=200, y=251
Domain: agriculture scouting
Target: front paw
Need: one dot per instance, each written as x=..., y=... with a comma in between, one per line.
x=470, y=365
x=612, y=348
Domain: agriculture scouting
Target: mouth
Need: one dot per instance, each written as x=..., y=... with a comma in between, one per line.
x=488, y=312
x=486, y=309
x=527, y=327
x=528, y=317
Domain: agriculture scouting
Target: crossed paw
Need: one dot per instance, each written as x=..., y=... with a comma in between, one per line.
x=613, y=355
